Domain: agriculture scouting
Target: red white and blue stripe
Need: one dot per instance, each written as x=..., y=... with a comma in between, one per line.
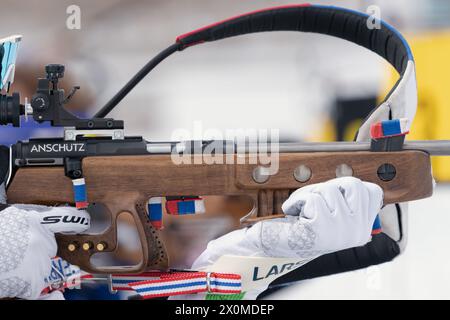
x=151, y=284
x=184, y=206
x=389, y=128
x=79, y=192
x=376, y=228
x=154, y=209
x=174, y=206
x=188, y=283
x=121, y=281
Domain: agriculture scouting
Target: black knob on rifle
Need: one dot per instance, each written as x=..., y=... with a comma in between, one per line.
x=39, y=102
x=54, y=71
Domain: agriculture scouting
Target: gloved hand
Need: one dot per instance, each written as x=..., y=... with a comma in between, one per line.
x=27, y=241
x=27, y=244
x=321, y=218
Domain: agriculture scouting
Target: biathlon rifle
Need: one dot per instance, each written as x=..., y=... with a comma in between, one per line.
x=94, y=157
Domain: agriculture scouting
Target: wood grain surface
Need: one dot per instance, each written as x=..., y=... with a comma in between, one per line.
x=125, y=183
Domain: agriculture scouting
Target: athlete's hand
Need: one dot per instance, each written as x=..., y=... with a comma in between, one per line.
x=27, y=245
x=321, y=218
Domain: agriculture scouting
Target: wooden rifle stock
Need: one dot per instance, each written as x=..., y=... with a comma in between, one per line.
x=125, y=183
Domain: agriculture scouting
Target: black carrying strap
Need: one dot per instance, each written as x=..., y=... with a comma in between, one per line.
x=333, y=21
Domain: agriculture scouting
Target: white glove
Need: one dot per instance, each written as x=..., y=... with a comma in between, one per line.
x=27, y=244
x=321, y=218
x=54, y=295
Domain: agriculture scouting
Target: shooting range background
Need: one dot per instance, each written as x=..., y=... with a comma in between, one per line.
x=288, y=81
